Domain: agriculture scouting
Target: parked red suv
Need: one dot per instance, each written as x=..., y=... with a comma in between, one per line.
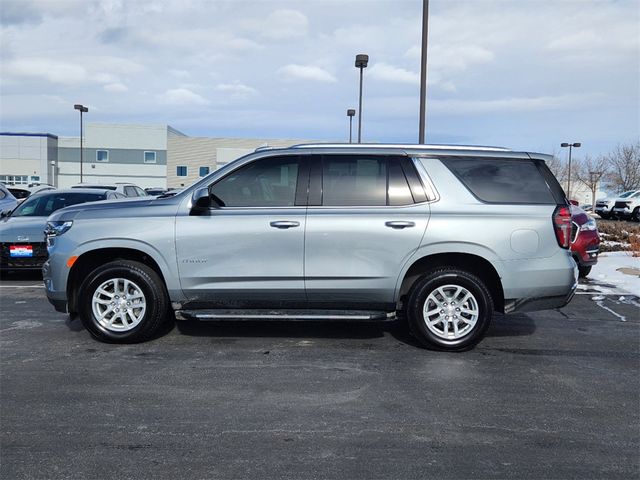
x=585, y=241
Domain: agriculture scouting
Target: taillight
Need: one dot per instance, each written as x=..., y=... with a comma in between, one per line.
x=562, y=225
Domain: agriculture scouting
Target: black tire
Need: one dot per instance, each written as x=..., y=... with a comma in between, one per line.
x=605, y=216
x=636, y=215
x=428, y=284
x=583, y=271
x=155, y=297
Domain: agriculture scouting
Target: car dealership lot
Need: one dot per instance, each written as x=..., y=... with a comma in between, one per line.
x=551, y=394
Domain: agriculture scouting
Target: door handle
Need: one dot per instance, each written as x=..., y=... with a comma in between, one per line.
x=284, y=224
x=397, y=225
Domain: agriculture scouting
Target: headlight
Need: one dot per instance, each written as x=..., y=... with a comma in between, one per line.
x=589, y=226
x=55, y=229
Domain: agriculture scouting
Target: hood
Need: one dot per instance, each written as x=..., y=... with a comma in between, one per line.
x=136, y=207
x=22, y=229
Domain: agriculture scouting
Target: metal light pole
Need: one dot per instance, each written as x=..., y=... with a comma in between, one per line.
x=361, y=62
x=350, y=113
x=423, y=71
x=82, y=110
x=570, y=145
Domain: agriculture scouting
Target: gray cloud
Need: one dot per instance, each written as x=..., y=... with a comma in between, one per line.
x=499, y=72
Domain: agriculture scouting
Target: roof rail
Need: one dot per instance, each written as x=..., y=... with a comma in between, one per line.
x=263, y=147
x=408, y=146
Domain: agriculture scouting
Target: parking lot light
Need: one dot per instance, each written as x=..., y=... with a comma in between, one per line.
x=570, y=145
x=362, y=60
x=82, y=109
x=350, y=113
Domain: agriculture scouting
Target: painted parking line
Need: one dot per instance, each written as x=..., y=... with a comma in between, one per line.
x=38, y=285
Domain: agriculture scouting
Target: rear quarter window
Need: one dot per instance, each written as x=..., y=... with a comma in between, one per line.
x=498, y=180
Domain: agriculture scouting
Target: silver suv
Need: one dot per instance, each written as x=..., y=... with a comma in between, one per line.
x=446, y=235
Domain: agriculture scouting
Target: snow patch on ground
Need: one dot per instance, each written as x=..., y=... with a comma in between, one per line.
x=606, y=278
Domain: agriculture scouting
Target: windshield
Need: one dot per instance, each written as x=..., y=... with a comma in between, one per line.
x=627, y=194
x=45, y=205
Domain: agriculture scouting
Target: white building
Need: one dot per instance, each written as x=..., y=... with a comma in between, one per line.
x=116, y=153
x=28, y=157
x=146, y=155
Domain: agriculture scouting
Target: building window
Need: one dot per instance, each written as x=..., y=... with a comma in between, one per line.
x=204, y=171
x=149, y=157
x=181, y=171
x=102, y=156
x=14, y=179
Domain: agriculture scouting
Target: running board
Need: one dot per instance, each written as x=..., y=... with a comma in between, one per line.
x=321, y=315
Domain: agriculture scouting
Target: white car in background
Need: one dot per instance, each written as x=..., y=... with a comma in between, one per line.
x=126, y=189
x=604, y=206
x=628, y=207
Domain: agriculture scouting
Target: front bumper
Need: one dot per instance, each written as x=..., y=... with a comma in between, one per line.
x=622, y=212
x=57, y=298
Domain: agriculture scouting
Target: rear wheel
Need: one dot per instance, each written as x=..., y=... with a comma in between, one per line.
x=449, y=309
x=123, y=302
x=584, y=271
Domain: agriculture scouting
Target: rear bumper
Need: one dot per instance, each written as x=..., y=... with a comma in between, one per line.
x=540, y=284
x=542, y=303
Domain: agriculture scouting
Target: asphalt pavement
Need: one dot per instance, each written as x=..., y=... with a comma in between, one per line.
x=553, y=394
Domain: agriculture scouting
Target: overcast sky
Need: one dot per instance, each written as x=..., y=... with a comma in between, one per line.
x=523, y=73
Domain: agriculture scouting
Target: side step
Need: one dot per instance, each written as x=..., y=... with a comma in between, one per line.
x=321, y=315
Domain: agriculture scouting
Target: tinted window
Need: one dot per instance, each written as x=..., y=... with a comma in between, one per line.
x=130, y=192
x=502, y=180
x=45, y=205
x=18, y=193
x=181, y=171
x=265, y=183
x=354, y=180
x=399, y=191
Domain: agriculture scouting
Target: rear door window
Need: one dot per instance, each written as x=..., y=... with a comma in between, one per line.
x=500, y=180
x=354, y=181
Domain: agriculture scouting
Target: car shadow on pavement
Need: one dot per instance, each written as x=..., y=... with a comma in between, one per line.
x=502, y=326
x=513, y=325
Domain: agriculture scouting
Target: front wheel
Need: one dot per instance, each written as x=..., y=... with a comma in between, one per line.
x=449, y=309
x=123, y=302
x=636, y=215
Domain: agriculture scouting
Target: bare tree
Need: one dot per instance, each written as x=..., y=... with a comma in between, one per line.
x=591, y=171
x=625, y=166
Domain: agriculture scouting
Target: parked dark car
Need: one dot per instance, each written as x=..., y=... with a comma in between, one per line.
x=22, y=192
x=585, y=240
x=22, y=240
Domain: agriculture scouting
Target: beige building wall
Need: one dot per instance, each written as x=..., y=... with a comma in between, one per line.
x=196, y=152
